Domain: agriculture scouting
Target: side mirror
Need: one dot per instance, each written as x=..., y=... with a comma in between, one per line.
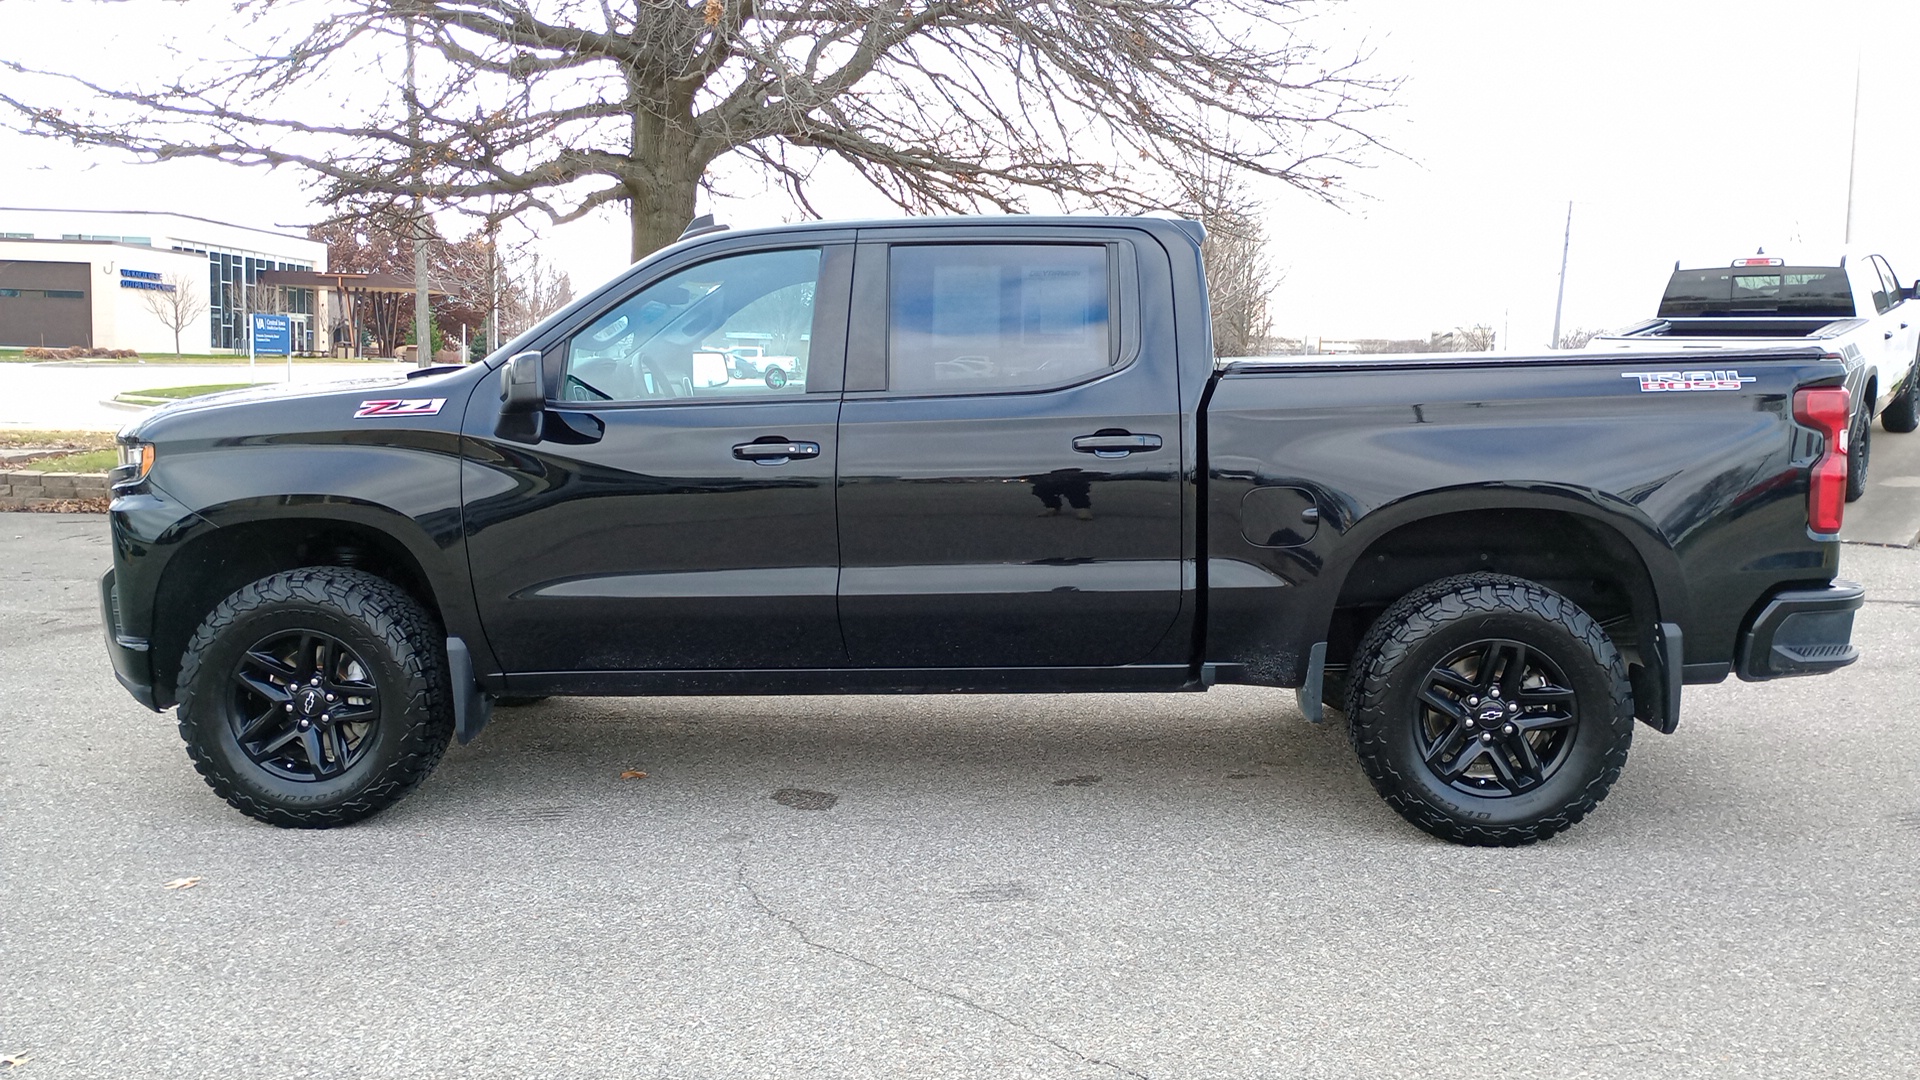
x=520, y=387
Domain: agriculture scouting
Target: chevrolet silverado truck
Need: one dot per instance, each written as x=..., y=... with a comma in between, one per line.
x=1856, y=310
x=1005, y=460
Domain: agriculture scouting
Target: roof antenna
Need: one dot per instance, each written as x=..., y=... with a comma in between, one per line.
x=701, y=226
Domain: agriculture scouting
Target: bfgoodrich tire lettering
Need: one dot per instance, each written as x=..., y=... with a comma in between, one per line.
x=255, y=714
x=1548, y=731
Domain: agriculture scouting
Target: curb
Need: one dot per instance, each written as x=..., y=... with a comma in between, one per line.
x=22, y=489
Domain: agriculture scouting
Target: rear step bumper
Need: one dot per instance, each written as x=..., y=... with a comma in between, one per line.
x=1802, y=632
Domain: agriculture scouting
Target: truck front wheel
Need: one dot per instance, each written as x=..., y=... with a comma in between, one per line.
x=315, y=697
x=1902, y=414
x=1489, y=710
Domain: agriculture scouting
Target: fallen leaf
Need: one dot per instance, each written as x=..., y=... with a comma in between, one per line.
x=182, y=883
x=13, y=1060
x=633, y=774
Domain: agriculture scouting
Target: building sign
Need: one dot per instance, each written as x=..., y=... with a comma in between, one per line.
x=272, y=335
x=143, y=279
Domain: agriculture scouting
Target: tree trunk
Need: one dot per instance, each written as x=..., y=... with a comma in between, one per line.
x=665, y=179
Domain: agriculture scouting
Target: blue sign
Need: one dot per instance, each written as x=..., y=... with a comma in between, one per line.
x=272, y=335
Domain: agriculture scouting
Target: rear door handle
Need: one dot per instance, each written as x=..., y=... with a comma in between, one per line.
x=775, y=453
x=1113, y=444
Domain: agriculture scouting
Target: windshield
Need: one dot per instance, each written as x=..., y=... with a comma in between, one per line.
x=1759, y=290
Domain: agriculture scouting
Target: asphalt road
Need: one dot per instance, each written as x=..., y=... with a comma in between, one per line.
x=1133, y=886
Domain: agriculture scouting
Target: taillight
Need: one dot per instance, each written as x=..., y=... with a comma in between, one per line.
x=1825, y=410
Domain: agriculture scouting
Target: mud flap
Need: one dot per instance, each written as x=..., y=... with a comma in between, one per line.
x=1308, y=693
x=471, y=707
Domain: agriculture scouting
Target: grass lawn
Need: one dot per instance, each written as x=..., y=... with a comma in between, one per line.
x=160, y=395
x=175, y=393
x=90, y=461
x=11, y=438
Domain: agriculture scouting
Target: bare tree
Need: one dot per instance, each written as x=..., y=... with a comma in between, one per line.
x=1476, y=338
x=1576, y=338
x=1240, y=276
x=535, y=289
x=566, y=106
x=176, y=304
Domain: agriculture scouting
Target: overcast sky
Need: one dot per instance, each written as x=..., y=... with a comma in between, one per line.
x=1678, y=129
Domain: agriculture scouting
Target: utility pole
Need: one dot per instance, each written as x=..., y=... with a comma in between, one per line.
x=1853, y=148
x=1566, y=242
x=422, y=317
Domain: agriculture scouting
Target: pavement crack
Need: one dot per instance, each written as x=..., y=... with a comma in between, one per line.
x=800, y=933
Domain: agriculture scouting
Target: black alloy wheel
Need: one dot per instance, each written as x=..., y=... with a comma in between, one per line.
x=1489, y=710
x=776, y=378
x=315, y=697
x=1497, y=718
x=304, y=706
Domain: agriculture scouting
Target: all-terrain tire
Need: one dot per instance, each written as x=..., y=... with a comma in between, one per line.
x=1402, y=655
x=1902, y=414
x=394, y=644
x=1859, y=447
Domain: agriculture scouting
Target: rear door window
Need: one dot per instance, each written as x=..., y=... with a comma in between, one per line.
x=995, y=318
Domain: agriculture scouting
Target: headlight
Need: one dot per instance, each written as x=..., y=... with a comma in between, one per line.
x=136, y=461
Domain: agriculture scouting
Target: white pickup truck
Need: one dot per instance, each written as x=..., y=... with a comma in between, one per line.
x=1855, y=308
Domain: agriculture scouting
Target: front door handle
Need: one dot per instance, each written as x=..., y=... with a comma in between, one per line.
x=1113, y=444
x=775, y=453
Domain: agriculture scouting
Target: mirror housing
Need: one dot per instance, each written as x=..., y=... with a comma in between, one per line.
x=520, y=385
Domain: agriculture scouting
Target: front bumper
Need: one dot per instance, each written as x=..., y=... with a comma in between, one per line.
x=1802, y=632
x=130, y=655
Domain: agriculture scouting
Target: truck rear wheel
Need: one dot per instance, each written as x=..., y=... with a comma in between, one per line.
x=1859, y=446
x=1489, y=710
x=315, y=697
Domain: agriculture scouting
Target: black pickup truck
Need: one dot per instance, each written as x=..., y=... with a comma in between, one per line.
x=978, y=455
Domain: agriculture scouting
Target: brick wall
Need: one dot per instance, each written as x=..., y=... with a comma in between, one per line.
x=22, y=490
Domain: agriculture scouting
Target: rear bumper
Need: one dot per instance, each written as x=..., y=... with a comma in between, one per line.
x=129, y=655
x=1802, y=632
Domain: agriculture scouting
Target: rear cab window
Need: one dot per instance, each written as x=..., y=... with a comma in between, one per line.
x=1810, y=291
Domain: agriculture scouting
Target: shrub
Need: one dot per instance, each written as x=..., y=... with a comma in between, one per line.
x=79, y=353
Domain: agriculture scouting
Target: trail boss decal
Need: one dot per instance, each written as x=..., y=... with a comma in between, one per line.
x=1658, y=382
x=419, y=406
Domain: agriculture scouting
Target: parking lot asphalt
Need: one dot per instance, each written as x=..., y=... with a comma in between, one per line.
x=1094, y=886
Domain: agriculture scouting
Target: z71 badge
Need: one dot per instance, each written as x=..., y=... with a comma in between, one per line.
x=1658, y=382
x=419, y=406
